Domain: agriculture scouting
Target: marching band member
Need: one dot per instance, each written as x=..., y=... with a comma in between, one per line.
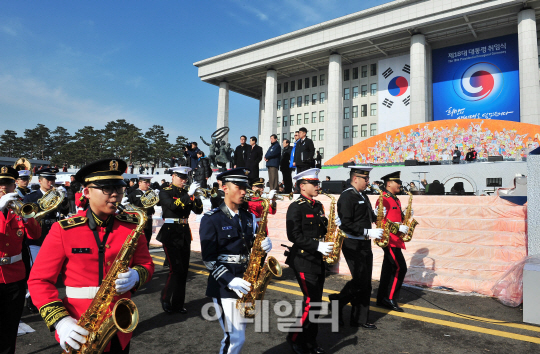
x=357, y=216
x=81, y=250
x=134, y=198
x=175, y=235
x=306, y=229
x=227, y=234
x=255, y=204
x=394, y=266
x=22, y=183
x=13, y=228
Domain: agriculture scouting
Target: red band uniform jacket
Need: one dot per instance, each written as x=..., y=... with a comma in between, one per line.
x=395, y=215
x=255, y=207
x=70, y=250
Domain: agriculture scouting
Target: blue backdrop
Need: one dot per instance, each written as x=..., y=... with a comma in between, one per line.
x=477, y=80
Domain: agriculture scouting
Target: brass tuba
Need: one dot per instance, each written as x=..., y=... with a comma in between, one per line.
x=149, y=198
x=23, y=164
x=333, y=234
x=385, y=239
x=49, y=202
x=407, y=220
x=124, y=317
x=258, y=278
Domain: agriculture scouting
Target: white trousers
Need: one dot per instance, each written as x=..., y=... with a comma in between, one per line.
x=234, y=328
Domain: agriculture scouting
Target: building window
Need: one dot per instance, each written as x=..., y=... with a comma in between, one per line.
x=346, y=94
x=285, y=87
x=292, y=85
x=293, y=102
x=355, y=111
x=364, y=70
x=306, y=118
x=299, y=100
x=346, y=75
x=321, y=135
x=355, y=131
x=314, y=81
x=299, y=119
x=373, y=128
x=306, y=100
x=363, y=110
x=314, y=98
x=373, y=89
x=321, y=151
x=322, y=96
x=355, y=92
x=277, y=137
x=322, y=79
x=285, y=104
x=345, y=147
x=345, y=132
x=278, y=120
x=285, y=135
x=373, y=69
x=313, y=117
x=299, y=84
x=278, y=104
x=278, y=88
x=364, y=90
x=373, y=109
x=306, y=82
x=284, y=121
x=321, y=116
x=364, y=131
x=355, y=73
x=314, y=135
x=291, y=120
x=346, y=112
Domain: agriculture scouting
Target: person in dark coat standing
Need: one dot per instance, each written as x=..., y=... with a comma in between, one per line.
x=191, y=155
x=456, y=156
x=318, y=160
x=284, y=166
x=203, y=171
x=303, y=154
x=254, y=156
x=272, y=158
x=240, y=153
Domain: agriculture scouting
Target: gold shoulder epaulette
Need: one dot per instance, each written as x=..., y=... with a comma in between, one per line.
x=128, y=218
x=386, y=195
x=71, y=222
x=300, y=200
x=167, y=189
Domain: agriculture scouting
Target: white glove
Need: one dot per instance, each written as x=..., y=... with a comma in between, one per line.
x=403, y=229
x=338, y=221
x=376, y=210
x=70, y=333
x=412, y=212
x=193, y=188
x=266, y=244
x=124, y=201
x=325, y=248
x=62, y=190
x=272, y=194
x=126, y=281
x=239, y=286
x=375, y=233
x=4, y=201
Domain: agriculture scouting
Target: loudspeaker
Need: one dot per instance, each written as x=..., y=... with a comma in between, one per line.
x=347, y=164
x=411, y=162
x=495, y=158
x=333, y=187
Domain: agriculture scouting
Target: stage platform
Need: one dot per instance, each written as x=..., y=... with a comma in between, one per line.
x=465, y=243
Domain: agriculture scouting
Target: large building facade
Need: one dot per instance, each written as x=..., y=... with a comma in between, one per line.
x=360, y=75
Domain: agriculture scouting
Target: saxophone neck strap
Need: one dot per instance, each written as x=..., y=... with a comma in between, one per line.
x=101, y=245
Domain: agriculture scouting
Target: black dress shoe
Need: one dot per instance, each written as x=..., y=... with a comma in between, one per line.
x=297, y=348
x=389, y=304
x=335, y=297
x=183, y=310
x=315, y=349
x=30, y=306
x=367, y=325
x=167, y=307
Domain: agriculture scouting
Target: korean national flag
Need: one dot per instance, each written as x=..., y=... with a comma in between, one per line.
x=394, y=93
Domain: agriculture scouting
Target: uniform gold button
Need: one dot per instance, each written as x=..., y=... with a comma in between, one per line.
x=109, y=263
x=107, y=246
x=302, y=251
x=7, y=244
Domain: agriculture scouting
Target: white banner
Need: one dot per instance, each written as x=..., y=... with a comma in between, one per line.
x=394, y=93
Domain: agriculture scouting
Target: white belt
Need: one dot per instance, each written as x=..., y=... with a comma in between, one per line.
x=10, y=260
x=176, y=220
x=233, y=258
x=88, y=292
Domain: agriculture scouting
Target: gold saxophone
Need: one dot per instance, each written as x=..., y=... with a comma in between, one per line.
x=124, y=317
x=333, y=234
x=385, y=239
x=258, y=278
x=407, y=220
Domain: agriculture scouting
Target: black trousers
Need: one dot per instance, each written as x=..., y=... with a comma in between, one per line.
x=287, y=180
x=312, y=286
x=116, y=348
x=357, y=291
x=11, y=307
x=148, y=232
x=393, y=272
x=174, y=291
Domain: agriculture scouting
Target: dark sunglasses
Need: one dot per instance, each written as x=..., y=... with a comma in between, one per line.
x=315, y=183
x=365, y=178
x=108, y=190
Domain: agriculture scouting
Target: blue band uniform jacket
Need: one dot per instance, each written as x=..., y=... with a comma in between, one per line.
x=220, y=234
x=356, y=214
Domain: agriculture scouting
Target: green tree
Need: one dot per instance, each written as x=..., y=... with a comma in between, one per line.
x=124, y=140
x=36, y=142
x=159, y=146
x=87, y=146
x=10, y=143
x=60, y=138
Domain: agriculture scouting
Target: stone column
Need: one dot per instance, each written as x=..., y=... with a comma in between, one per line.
x=531, y=271
x=269, y=125
x=529, y=89
x=419, y=79
x=223, y=107
x=333, y=124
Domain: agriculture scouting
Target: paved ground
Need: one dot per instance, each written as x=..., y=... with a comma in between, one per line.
x=423, y=328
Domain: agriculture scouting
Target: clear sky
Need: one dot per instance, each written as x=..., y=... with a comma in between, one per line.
x=77, y=63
